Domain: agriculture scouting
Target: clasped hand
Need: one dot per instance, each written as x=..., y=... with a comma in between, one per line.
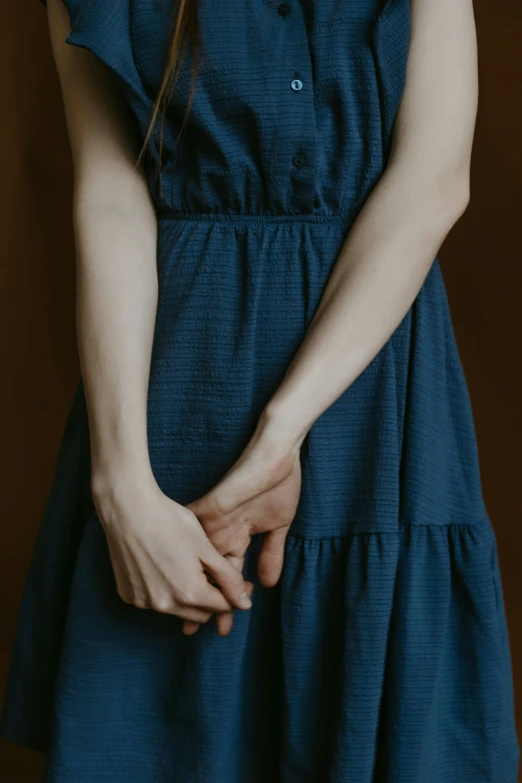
x=188, y=560
x=259, y=494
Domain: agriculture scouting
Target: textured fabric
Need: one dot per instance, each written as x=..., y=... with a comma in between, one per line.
x=382, y=656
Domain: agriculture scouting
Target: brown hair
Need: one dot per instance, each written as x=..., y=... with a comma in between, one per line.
x=186, y=32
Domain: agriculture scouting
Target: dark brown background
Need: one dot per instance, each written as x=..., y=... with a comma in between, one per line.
x=481, y=262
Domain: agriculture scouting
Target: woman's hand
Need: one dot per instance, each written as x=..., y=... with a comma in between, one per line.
x=161, y=557
x=259, y=494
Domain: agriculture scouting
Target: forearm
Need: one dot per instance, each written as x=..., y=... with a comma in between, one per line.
x=116, y=308
x=116, y=235
x=379, y=272
x=392, y=245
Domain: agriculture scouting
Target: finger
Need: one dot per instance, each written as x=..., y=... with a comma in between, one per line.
x=206, y=600
x=211, y=599
x=237, y=561
x=189, y=628
x=180, y=608
x=225, y=621
x=271, y=557
x=193, y=615
x=229, y=578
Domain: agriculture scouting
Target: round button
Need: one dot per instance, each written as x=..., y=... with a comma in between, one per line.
x=298, y=160
x=296, y=84
x=283, y=9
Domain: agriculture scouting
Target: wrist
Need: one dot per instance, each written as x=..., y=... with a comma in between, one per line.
x=114, y=482
x=280, y=429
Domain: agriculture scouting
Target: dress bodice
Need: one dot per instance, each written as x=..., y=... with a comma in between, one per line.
x=293, y=106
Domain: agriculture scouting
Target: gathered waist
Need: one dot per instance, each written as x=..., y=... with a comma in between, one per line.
x=256, y=218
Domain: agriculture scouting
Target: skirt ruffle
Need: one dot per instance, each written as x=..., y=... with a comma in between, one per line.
x=379, y=656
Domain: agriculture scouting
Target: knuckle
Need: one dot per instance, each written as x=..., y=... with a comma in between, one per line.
x=216, y=505
x=220, y=506
x=163, y=603
x=186, y=598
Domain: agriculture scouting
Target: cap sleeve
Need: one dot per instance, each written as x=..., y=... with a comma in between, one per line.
x=104, y=27
x=108, y=29
x=391, y=34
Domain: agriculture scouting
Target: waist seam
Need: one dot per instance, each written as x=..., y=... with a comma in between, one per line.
x=227, y=217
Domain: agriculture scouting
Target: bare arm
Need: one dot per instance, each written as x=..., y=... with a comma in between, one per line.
x=115, y=229
x=375, y=280
x=398, y=233
x=158, y=549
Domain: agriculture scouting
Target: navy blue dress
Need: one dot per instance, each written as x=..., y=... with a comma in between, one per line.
x=382, y=655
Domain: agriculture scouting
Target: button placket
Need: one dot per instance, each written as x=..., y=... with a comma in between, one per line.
x=300, y=145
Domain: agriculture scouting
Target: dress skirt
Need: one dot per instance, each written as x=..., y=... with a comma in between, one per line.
x=382, y=655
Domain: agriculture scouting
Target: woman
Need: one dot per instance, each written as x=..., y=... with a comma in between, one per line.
x=271, y=400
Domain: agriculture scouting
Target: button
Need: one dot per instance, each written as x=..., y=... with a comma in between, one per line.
x=283, y=9
x=298, y=159
x=296, y=84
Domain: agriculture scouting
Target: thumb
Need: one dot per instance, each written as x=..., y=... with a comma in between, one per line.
x=224, y=620
x=229, y=579
x=271, y=557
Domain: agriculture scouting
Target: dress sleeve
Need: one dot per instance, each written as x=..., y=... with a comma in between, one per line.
x=391, y=35
x=105, y=29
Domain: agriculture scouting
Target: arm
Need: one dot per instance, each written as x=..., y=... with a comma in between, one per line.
x=115, y=231
x=158, y=549
x=375, y=280
x=398, y=233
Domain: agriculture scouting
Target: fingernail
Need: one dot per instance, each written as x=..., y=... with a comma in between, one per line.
x=245, y=601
